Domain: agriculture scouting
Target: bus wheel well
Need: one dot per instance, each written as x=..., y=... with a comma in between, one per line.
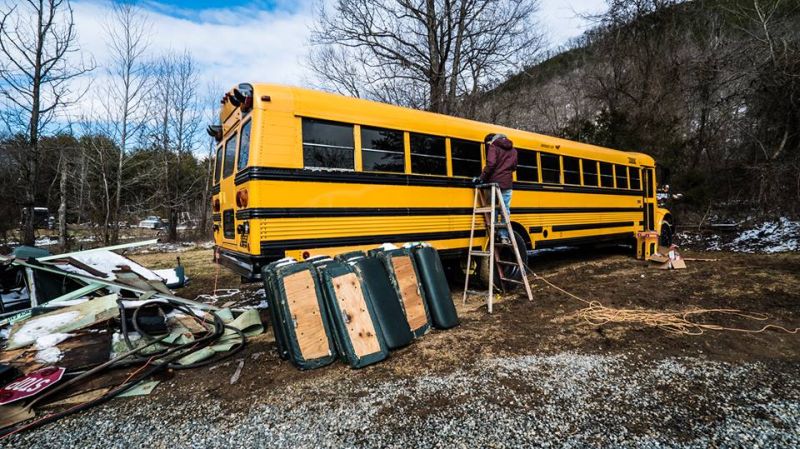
x=668, y=219
x=519, y=229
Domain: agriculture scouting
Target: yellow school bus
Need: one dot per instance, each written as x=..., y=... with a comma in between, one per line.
x=300, y=173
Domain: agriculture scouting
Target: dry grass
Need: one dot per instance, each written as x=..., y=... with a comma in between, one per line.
x=203, y=273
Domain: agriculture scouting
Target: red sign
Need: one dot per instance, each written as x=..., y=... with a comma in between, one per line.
x=31, y=384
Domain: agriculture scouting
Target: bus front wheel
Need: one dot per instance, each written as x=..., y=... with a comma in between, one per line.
x=509, y=271
x=667, y=234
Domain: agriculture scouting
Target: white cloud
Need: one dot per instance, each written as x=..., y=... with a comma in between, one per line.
x=231, y=45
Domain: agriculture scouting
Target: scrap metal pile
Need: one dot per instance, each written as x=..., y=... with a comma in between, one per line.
x=79, y=329
x=357, y=306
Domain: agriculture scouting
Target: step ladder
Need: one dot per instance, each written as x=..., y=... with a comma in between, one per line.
x=488, y=208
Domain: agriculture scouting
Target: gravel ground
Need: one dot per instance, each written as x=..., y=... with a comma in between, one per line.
x=529, y=375
x=562, y=400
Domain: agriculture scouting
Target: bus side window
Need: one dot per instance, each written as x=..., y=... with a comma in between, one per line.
x=589, y=172
x=572, y=174
x=230, y=154
x=328, y=145
x=382, y=150
x=621, y=173
x=466, y=157
x=606, y=174
x=551, y=168
x=428, y=154
x=636, y=183
x=527, y=167
x=218, y=165
x=244, y=147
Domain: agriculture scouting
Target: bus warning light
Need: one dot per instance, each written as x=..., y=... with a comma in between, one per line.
x=241, y=198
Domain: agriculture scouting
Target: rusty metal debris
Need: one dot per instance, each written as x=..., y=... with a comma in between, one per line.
x=97, y=314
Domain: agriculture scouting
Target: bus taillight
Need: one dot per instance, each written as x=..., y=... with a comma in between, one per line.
x=241, y=198
x=215, y=205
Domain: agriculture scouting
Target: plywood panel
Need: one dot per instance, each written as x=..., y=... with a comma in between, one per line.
x=409, y=292
x=356, y=316
x=304, y=309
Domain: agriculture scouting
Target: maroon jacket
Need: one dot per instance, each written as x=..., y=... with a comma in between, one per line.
x=501, y=162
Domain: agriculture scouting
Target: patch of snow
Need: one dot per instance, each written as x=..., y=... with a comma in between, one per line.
x=132, y=304
x=172, y=247
x=264, y=304
x=50, y=340
x=387, y=247
x=107, y=262
x=770, y=237
x=37, y=327
x=219, y=294
x=49, y=355
x=4, y=332
x=45, y=241
x=782, y=235
x=75, y=270
x=169, y=276
x=117, y=337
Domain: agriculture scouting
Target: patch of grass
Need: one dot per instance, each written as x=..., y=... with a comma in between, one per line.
x=203, y=273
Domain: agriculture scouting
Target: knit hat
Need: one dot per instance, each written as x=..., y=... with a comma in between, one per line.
x=497, y=137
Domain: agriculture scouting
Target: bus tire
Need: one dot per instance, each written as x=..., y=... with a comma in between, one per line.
x=507, y=254
x=667, y=234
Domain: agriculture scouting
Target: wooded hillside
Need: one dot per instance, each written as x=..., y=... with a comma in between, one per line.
x=710, y=88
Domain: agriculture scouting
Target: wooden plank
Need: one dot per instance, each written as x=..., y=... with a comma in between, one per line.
x=304, y=309
x=85, y=351
x=409, y=292
x=356, y=316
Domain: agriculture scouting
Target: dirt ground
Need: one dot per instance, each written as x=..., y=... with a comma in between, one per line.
x=531, y=374
x=764, y=284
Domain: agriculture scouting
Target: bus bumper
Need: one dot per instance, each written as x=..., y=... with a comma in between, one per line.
x=244, y=265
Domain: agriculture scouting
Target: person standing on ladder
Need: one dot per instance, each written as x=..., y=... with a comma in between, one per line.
x=501, y=163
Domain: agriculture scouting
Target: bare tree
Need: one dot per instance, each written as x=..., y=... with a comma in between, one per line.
x=98, y=153
x=422, y=53
x=175, y=124
x=211, y=116
x=36, y=71
x=127, y=33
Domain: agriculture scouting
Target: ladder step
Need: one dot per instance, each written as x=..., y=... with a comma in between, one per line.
x=505, y=262
x=480, y=253
x=513, y=281
x=483, y=210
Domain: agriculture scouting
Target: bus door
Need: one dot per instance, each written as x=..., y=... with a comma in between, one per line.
x=649, y=200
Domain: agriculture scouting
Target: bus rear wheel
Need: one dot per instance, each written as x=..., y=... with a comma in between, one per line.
x=509, y=271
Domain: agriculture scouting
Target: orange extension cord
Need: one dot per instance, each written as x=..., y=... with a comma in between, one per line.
x=675, y=322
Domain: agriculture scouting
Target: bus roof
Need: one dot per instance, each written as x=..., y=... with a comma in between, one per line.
x=324, y=105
